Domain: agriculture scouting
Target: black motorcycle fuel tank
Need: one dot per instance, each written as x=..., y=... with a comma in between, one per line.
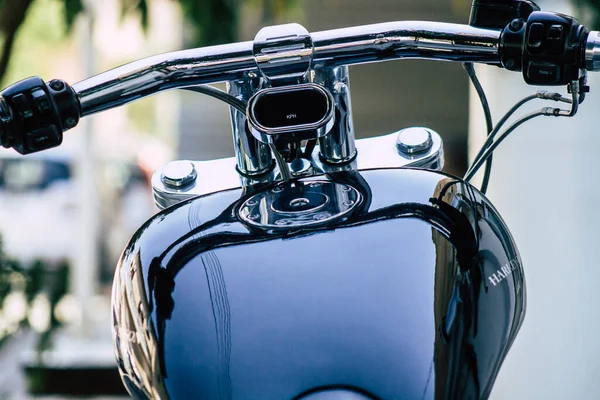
x=390, y=283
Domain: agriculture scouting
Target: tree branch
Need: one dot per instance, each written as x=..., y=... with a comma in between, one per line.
x=7, y=47
x=12, y=15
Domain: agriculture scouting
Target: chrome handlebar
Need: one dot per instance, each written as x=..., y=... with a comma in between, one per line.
x=547, y=48
x=333, y=48
x=592, y=51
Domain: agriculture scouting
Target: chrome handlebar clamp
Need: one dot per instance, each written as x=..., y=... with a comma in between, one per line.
x=283, y=54
x=284, y=58
x=276, y=114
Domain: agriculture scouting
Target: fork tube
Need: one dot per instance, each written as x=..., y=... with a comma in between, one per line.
x=337, y=147
x=253, y=157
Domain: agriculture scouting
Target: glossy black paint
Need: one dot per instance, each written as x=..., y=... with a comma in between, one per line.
x=418, y=293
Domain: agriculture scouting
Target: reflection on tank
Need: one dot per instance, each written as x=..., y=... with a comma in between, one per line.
x=460, y=280
x=392, y=300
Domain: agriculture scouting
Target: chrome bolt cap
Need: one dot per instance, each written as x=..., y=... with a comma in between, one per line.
x=414, y=140
x=177, y=174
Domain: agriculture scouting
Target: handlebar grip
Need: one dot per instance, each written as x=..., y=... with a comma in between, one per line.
x=34, y=115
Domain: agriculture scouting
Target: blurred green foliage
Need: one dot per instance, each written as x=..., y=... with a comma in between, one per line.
x=589, y=12
x=42, y=37
x=32, y=279
x=212, y=21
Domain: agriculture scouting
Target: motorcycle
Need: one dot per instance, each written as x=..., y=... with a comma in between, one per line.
x=311, y=265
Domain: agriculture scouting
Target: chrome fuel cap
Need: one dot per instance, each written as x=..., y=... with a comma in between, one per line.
x=294, y=204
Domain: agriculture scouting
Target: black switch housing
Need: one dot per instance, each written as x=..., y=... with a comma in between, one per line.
x=22, y=105
x=496, y=14
x=555, y=40
x=547, y=49
x=41, y=100
x=33, y=115
x=535, y=37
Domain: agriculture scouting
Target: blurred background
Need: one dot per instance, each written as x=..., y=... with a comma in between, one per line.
x=66, y=214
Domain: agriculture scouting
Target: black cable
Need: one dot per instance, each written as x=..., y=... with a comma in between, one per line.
x=492, y=134
x=473, y=170
x=284, y=170
x=538, y=95
x=219, y=94
x=470, y=70
x=310, y=146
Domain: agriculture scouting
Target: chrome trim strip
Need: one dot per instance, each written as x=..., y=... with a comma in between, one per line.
x=283, y=53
